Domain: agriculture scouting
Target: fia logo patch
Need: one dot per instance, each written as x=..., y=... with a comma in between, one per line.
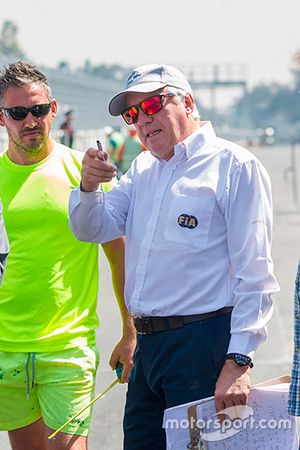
x=187, y=221
x=135, y=74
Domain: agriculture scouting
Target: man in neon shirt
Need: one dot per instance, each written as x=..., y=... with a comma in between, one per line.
x=48, y=298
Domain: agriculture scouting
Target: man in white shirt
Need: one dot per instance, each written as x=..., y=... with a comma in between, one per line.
x=197, y=214
x=4, y=248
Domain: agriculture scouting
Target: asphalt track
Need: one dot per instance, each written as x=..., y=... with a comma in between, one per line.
x=272, y=359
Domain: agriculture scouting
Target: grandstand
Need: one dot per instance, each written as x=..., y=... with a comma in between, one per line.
x=87, y=95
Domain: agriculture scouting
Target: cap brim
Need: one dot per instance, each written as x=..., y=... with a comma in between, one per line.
x=118, y=104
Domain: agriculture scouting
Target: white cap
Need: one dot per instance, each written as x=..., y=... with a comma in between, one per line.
x=148, y=78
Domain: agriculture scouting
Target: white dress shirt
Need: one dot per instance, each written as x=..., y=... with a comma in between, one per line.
x=198, y=233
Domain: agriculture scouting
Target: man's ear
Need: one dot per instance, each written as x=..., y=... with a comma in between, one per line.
x=54, y=108
x=189, y=103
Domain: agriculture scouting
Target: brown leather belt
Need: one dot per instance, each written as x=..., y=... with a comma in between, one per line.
x=149, y=325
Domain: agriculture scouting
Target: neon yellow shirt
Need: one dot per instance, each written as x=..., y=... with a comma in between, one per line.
x=49, y=294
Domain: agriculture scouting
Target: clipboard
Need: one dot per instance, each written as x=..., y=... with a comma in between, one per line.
x=274, y=381
x=196, y=443
x=190, y=438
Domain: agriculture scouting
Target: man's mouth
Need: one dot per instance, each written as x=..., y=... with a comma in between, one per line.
x=153, y=133
x=30, y=132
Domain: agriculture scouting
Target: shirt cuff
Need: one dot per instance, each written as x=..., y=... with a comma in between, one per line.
x=244, y=343
x=91, y=197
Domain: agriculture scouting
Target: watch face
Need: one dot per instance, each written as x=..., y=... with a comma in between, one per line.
x=241, y=360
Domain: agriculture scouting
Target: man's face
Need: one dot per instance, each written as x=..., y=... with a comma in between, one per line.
x=171, y=125
x=28, y=135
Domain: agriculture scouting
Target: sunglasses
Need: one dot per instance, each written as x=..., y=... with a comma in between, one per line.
x=149, y=106
x=21, y=112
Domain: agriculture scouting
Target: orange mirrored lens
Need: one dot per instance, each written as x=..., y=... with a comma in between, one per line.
x=151, y=105
x=130, y=115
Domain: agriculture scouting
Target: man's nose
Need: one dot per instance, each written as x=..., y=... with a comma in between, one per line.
x=30, y=121
x=143, y=118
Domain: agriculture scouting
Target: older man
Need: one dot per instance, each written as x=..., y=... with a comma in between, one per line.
x=48, y=298
x=197, y=214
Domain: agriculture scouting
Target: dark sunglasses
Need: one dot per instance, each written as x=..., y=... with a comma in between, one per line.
x=21, y=112
x=149, y=106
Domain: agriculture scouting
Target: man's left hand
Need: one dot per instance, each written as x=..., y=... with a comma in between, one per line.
x=123, y=353
x=233, y=387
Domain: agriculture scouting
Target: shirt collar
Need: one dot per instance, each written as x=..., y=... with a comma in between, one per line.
x=205, y=133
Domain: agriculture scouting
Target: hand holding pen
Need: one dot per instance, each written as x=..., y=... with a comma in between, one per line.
x=105, y=155
x=96, y=169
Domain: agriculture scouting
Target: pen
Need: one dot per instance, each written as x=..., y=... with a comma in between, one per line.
x=99, y=145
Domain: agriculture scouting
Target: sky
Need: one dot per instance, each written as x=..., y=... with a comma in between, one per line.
x=262, y=35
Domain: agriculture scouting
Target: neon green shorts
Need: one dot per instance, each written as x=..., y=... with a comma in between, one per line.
x=54, y=386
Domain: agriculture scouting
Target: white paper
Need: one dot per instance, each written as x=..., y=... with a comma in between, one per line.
x=269, y=427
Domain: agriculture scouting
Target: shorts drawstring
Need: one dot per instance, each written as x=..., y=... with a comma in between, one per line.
x=27, y=376
x=32, y=355
x=32, y=370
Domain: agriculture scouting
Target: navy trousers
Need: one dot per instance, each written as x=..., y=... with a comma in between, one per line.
x=172, y=367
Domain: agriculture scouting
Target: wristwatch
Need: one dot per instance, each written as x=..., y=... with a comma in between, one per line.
x=241, y=360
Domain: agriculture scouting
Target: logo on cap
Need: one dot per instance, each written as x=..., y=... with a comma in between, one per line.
x=135, y=74
x=187, y=221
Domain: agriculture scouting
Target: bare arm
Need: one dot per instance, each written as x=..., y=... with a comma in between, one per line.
x=123, y=351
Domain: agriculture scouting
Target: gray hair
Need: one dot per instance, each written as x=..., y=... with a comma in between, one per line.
x=182, y=93
x=20, y=74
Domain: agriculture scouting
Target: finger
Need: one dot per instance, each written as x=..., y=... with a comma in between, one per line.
x=225, y=406
x=232, y=412
x=96, y=163
x=91, y=183
x=233, y=403
x=236, y=411
x=102, y=155
x=219, y=403
x=98, y=153
x=220, y=406
x=221, y=418
x=97, y=172
x=113, y=362
x=92, y=153
x=108, y=170
x=95, y=179
x=126, y=372
x=243, y=399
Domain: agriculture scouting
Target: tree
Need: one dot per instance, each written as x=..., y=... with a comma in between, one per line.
x=63, y=65
x=8, y=41
x=296, y=69
x=110, y=72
